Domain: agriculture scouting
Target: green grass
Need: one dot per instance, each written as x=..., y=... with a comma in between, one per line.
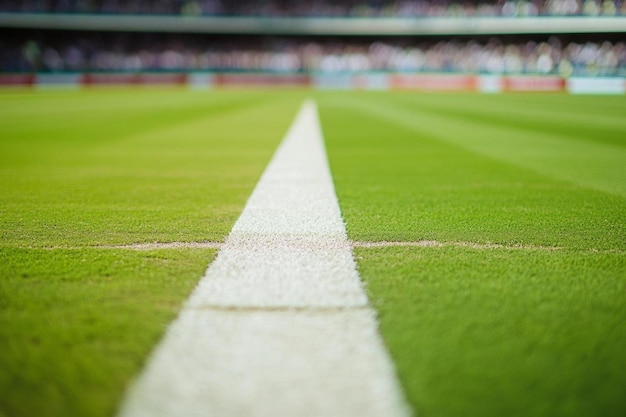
x=491, y=332
x=81, y=170
x=503, y=332
x=405, y=173
x=77, y=324
x=532, y=331
x=112, y=167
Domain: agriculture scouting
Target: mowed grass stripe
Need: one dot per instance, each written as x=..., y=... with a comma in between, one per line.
x=77, y=324
x=187, y=181
x=35, y=120
x=591, y=105
x=558, y=120
x=479, y=332
x=588, y=164
x=445, y=192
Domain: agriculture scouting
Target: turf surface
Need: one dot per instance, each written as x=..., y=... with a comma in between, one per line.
x=76, y=324
x=536, y=331
x=503, y=332
x=113, y=167
x=83, y=170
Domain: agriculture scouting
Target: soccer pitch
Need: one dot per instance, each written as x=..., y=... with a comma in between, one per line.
x=489, y=231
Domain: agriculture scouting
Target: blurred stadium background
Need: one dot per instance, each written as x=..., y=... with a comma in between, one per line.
x=487, y=45
x=557, y=337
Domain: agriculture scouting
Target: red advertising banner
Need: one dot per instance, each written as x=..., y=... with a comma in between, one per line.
x=263, y=80
x=17, y=80
x=110, y=79
x=533, y=83
x=135, y=79
x=434, y=82
x=163, y=79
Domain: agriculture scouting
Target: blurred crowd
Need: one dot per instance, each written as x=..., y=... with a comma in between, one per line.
x=330, y=56
x=325, y=8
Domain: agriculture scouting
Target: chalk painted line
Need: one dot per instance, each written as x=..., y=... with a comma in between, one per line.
x=440, y=244
x=279, y=325
x=148, y=246
x=354, y=244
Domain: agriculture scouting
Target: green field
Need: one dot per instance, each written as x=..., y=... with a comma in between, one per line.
x=519, y=310
x=475, y=330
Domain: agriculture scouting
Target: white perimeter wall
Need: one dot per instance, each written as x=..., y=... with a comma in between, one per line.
x=600, y=85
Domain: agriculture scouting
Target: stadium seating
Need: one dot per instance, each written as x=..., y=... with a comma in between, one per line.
x=212, y=42
x=343, y=8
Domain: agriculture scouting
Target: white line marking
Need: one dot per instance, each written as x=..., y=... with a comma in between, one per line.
x=299, y=242
x=438, y=244
x=167, y=245
x=279, y=325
